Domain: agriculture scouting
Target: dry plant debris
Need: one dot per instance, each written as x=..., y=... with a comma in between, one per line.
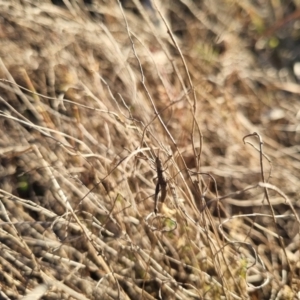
x=98, y=99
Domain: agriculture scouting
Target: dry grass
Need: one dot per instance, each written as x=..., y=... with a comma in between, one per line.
x=92, y=95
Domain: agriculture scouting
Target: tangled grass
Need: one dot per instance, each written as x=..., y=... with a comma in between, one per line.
x=94, y=96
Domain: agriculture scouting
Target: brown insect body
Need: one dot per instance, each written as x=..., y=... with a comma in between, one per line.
x=161, y=184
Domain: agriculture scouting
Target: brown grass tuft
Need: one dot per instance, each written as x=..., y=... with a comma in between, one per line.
x=92, y=94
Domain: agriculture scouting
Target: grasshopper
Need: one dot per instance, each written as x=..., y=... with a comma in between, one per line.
x=161, y=183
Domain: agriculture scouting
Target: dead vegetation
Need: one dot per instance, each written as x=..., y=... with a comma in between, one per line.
x=107, y=108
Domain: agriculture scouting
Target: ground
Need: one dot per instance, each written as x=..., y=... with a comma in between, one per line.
x=149, y=149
